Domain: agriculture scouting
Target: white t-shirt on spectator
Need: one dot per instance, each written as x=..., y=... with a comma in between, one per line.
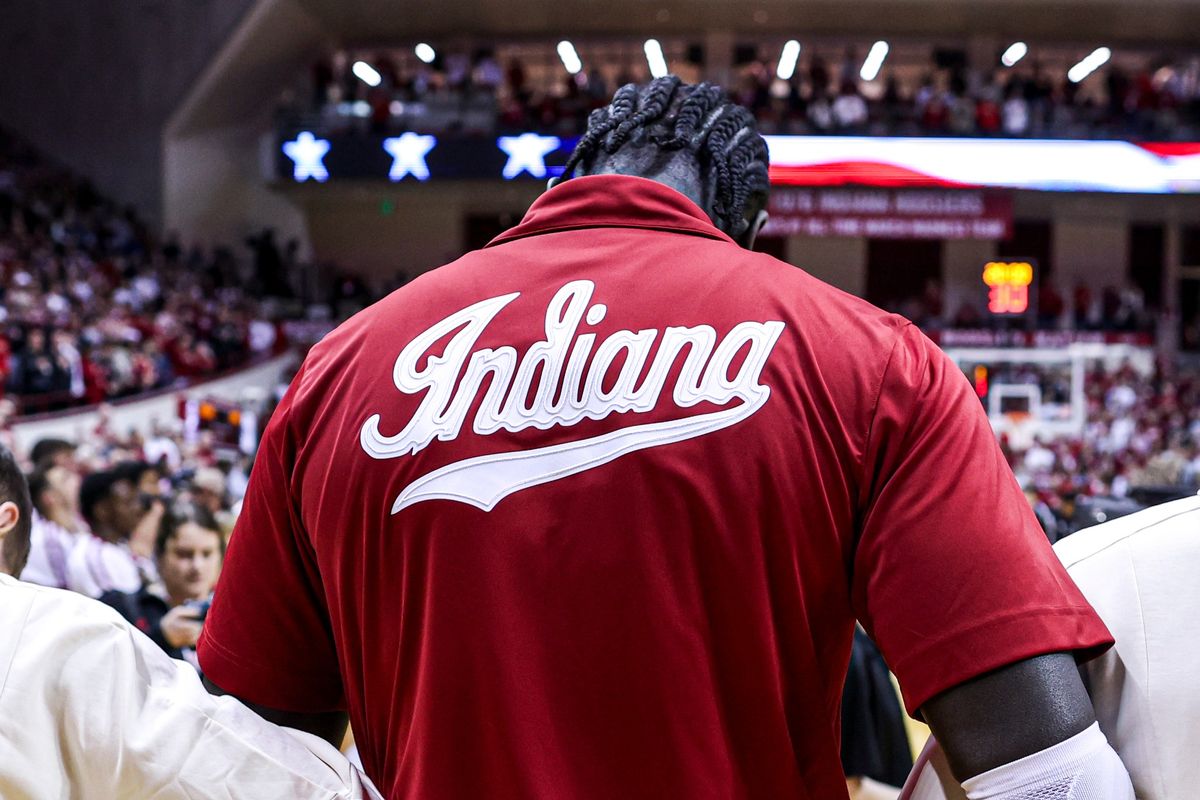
x=1015, y=116
x=90, y=708
x=1121, y=397
x=158, y=447
x=262, y=335
x=81, y=562
x=1121, y=433
x=849, y=110
x=1039, y=458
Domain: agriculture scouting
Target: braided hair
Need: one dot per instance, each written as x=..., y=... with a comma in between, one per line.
x=698, y=119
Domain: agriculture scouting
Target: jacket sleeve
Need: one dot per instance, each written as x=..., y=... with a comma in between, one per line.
x=130, y=722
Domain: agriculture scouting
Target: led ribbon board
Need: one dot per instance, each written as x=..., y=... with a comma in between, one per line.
x=1059, y=165
x=890, y=213
x=420, y=158
x=800, y=161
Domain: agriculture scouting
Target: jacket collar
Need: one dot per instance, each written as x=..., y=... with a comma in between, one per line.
x=612, y=201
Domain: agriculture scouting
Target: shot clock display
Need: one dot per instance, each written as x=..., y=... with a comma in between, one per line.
x=1010, y=286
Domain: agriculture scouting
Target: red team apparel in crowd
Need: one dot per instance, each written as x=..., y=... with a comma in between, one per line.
x=591, y=512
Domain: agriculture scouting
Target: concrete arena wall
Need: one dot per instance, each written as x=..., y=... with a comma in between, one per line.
x=141, y=415
x=92, y=82
x=424, y=226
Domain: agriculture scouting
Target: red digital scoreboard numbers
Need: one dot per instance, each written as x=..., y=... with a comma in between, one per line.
x=1008, y=285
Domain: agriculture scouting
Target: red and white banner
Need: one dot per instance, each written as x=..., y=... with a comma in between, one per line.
x=890, y=213
x=1062, y=165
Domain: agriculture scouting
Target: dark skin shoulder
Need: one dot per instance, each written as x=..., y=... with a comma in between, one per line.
x=330, y=726
x=1010, y=713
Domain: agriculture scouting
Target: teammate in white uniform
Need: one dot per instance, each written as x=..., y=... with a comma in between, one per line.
x=91, y=708
x=1140, y=574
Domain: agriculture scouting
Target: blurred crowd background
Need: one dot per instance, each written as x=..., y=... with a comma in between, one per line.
x=518, y=88
x=95, y=308
x=165, y=263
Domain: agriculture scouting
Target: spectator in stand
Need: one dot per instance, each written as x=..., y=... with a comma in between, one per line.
x=40, y=371
x=934, y=110
x=850, y=109
x=191, y=357
x=64, y=553
x=188, y=552
x=53, y=452
x=68, y=356
x=1050, y=305
x=57, y=526
x=961, y=105
x=893, y=103
x=119, y=514
x=820, y=113
x=818, y=75
x=268, y=264
x=74, y=264
x=210, y=490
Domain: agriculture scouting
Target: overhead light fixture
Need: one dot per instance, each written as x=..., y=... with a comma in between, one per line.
x=1015, y=52
x=570, y=58
x=1092, y=62
x=366, y=73
x=425, y=53
x=655, y=58
x=870, y=67
x=787, y=61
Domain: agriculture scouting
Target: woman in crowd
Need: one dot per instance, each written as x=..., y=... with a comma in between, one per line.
x=189, y=551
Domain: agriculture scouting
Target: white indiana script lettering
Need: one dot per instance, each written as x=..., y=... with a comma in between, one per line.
x=568, y=390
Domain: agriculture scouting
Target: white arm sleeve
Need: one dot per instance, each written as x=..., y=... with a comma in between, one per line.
x=1083, y=767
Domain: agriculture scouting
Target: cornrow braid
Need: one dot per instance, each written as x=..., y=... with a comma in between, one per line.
x=699, y=119
x=601, y=122
x=654, y=104
x=693, y=112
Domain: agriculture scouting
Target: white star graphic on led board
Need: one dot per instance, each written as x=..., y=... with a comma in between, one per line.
x=527, y=153
x=307, y=153
x=408, y=153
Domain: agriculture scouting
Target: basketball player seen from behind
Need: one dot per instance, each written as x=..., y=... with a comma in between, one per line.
x=591, y=512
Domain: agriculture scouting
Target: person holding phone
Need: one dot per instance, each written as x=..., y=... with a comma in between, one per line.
x=188, y=551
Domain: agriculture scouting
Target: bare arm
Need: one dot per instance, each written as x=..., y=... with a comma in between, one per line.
x=1010, y=713
x=329, y=725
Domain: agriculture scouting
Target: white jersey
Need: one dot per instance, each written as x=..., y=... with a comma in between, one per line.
x=91, y=708
x=1142, y=575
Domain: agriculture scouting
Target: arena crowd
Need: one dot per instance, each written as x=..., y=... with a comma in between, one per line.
x=479, y=93
x=92, y=309
x=1141, y=444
